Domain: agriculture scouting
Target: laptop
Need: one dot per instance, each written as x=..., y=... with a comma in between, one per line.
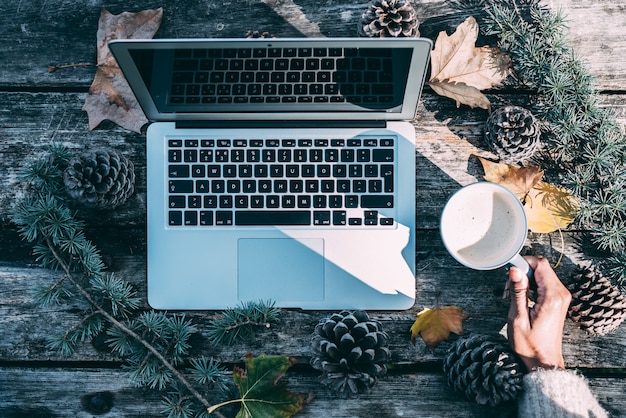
x=279, y=170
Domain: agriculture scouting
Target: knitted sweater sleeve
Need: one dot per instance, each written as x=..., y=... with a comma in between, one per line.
x=556, y=394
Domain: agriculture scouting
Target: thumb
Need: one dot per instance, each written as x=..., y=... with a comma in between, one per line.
x=518, y=286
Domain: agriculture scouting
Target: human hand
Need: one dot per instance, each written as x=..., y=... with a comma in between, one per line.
x=536, y=333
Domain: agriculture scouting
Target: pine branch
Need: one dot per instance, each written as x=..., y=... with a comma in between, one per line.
x=241, y=322
x=179, y=376
x=586, y=144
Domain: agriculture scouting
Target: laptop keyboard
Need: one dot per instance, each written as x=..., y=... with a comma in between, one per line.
x=281, y=182
x=282, y=75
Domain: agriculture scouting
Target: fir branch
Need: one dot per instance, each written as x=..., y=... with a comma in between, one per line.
x=586, y=142
x=241, y=321
x=150, y=348
x=154, y=343
x=208, y=372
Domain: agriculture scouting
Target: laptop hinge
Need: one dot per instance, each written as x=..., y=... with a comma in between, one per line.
x=196, y=124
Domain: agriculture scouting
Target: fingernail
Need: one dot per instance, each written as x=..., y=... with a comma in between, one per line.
x=516, y=274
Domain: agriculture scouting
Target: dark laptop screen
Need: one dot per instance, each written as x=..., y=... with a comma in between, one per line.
x=263, y=79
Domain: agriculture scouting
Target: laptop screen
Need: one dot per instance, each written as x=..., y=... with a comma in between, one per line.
x=275, y=79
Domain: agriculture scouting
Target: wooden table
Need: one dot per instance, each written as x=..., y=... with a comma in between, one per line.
x=38, y=107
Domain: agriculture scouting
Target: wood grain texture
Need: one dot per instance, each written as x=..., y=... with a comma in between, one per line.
x=29, y=28
x=38, y=107
x=89, y=392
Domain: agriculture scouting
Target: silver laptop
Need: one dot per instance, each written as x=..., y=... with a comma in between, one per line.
x=279, y=169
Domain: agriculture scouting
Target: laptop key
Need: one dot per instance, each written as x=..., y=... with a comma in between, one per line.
x=206, y=217
x=383, y=155
x=179, y=170
x=223, y=217
x=181, y=186
x=321, y=217
x=377, y=201
x=175, y=217
x=339, y=217
x=273, y=217
x=191, y=218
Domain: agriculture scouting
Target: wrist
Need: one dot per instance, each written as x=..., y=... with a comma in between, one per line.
x=536, y=363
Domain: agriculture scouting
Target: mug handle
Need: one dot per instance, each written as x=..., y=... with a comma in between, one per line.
x=521, y=263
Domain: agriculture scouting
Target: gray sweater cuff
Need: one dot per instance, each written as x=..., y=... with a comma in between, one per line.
x=556, y=394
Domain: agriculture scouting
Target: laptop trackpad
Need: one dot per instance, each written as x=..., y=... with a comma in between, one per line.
x=284, y=270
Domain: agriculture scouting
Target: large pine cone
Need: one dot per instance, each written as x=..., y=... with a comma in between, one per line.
x=484, y=369
x=597, y=307
x=513, y=134
x=351, y=351
x=101, y=179
x=389, y=18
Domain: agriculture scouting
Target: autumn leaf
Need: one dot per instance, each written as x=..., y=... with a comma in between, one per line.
x=435, y=325
x=460, y=70
x=519, y=180
x=262, y=392
x=110, y=96
x=548, y=207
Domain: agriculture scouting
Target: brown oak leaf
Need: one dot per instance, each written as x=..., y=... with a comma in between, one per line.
x=435, y=325
x=110, y=96
x=460, y=70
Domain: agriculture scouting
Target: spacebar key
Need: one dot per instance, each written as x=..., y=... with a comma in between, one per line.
x=273, y=217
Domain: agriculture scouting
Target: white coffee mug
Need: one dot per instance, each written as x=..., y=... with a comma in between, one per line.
x=484, y=227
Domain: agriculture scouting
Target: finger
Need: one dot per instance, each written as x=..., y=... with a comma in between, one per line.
x=518, y=287
x=544, y=275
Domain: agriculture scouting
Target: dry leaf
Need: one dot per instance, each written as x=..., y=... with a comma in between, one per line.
x=110, y=96
x=548, y=207
x=435, y=325
x=519, y=180
x=459, y=69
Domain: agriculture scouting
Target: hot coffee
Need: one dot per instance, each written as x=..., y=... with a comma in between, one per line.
x=484, y=226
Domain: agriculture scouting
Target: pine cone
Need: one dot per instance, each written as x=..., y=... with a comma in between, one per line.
x=389, y=18
x=351, y=351
x=597, y=307
x=484, y=369
x=513, y=133
x=101, y=178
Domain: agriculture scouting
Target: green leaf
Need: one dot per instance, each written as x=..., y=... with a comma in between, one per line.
x=263, y=395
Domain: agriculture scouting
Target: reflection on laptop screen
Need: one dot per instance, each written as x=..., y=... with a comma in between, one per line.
x=267, y=78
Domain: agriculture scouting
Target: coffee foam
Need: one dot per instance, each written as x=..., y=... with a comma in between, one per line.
x=480, y=227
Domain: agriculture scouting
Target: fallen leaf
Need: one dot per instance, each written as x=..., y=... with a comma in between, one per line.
x=262, y=393
x=460, y=70
x=548, y=207
x=110, y=96
x=519, y=180
x=435, y=325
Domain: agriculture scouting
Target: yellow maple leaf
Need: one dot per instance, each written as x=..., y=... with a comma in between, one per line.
x=548, y=207
x=435, y=325
x=459, y=69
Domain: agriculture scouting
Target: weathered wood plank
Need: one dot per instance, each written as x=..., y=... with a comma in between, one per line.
x=28, y=29
x=71, y=392
x=446, y=139
x=25, y=326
